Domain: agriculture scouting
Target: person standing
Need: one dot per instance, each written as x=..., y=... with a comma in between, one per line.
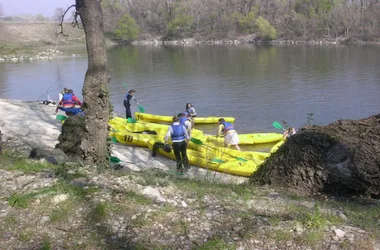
x=185, y=120
x=230, y=135
x=191, y=110
x=127, y=103
x=180, y=139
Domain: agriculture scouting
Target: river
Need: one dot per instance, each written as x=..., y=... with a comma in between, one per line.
x=255, y=84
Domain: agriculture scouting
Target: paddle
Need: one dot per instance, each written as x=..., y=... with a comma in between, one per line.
x=131, y=120
x=60, y=117
x=278, y=125
x=141, y=108
x=115, y=159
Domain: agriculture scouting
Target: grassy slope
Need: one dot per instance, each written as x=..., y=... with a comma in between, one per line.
x=87, y=219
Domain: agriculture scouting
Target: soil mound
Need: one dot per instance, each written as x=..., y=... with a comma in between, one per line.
x=340, y=158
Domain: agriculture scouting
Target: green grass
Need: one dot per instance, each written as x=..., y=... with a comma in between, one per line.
x=217, y=243
x=10, y=161
x=312, y=237
x=46, y=244
x=366, y=217
x=137, y=198
x=99, y=211
x=18, y=200
x=63, y=211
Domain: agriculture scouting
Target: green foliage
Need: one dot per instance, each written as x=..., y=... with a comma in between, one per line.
x=127, y=28
x=265, y=29
x=246, y=23
x=18, y=200
x=309, y=119
x=180, y=25
x=99, y=211
x=217, y=243
x=315, y=219
x=46, y=244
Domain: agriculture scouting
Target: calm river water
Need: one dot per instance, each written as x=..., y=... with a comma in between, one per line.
x=255, y=84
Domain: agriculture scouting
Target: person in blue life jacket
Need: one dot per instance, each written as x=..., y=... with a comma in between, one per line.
x=127, y=103
x=180, y=139
x=68, y=103
x=185, y=120
x=229, y=132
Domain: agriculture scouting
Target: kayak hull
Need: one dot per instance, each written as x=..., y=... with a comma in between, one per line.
x=166, y=118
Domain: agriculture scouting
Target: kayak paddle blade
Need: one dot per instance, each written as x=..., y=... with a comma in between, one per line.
x=241, y=159
x=131, y=120
x=217, y=160
x=141, y=108
x=196, y=141
x=60, y=117
x=278, y=125
x=114, y=159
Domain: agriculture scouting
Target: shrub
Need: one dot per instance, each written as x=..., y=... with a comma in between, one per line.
x=127, y=29
x=265, y=30
x=180, y=25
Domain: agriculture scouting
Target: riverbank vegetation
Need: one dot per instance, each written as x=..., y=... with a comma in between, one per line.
x=265, y=20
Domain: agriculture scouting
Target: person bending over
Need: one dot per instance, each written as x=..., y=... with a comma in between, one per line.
x=230, y=135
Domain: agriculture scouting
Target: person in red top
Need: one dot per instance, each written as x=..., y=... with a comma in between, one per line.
x=68, y=102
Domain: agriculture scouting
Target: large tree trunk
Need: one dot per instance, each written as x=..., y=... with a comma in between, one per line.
x=94, y=145
x=340, y=158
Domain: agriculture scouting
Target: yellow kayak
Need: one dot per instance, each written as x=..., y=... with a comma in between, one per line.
x=235, y=167
x=276, y=146
x=209, y=148
x=249, y=139
x=160, y=129
x=135, y=139
x=166, y=118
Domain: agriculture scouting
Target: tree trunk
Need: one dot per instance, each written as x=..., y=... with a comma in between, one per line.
x=95, y=144
x=340, y=158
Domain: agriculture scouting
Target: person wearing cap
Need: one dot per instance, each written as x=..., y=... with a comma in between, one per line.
x=127, y=103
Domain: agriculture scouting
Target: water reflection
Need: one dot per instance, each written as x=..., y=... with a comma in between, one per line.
x=255, y=84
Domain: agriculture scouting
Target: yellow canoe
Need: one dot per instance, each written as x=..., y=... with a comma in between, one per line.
x=166, y=118
x=276, y=146
x=209, y=148
x=249, y=139
x=235, y=167
x=135, y=139
x=122, y=126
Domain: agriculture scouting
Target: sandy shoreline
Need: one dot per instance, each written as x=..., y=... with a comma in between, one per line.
x=32, y=124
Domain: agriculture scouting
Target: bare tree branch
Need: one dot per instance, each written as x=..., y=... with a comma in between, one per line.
x=62, y=18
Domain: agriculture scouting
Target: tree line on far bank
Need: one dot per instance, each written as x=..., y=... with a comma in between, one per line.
x=128, y=20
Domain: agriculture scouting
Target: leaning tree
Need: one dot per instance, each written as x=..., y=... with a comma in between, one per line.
x=88, y=136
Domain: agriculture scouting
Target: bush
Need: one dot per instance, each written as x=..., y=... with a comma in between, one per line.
x=265, y=29
x=180, y=25
x=127, y=29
